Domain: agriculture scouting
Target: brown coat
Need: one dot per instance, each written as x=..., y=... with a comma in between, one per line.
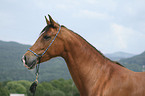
x=92, y=72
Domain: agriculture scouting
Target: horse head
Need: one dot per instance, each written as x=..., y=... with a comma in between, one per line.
x=48, y=45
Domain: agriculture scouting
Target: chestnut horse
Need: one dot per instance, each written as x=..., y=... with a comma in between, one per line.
x=92, y=72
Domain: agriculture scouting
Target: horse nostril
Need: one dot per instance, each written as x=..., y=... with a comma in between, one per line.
x=24, y=59
x=29, y=61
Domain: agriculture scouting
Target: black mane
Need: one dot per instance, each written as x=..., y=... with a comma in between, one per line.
x=95, y=48
x=46, y=28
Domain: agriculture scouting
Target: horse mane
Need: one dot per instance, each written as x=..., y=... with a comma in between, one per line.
x=94, y=47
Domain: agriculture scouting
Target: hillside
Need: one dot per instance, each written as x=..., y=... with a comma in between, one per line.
x=135, y=63
x=119, y=55
x=11, y=67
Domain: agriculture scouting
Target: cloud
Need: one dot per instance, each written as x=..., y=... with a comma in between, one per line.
x=56, y=4
x=90, y=14
x=6, y=19
x=126, y=38
x=91, y=1
x=122, y=35
x=127, y=32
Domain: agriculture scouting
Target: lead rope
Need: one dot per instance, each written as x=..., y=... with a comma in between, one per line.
x=34, y=84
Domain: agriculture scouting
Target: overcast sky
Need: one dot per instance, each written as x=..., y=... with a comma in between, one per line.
x=109, y=25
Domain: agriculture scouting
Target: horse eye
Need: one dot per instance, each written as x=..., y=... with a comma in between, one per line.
x=47, y=37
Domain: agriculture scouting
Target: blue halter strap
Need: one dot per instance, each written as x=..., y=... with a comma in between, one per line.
x=47, y=47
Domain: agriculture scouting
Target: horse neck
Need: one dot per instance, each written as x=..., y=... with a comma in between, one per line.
x=85, y=63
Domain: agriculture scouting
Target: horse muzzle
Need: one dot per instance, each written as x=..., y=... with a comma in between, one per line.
x=29, y=61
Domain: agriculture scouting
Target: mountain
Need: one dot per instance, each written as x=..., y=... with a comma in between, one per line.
x=135, y=63
x=119, y=55
x=11, y=67
x=130, y=61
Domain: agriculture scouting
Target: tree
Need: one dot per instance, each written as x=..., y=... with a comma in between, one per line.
x=15, y=87
x=40, y=90
x=57, y=93
x=3, y=91
x=47, y=86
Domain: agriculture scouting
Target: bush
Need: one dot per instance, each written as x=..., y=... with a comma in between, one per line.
x=3, y=91
x=57, y=93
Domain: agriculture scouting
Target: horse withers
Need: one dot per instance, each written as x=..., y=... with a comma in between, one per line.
x=92, y=72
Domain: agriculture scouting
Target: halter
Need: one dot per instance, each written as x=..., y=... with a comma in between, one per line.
x=34, y=84
x=39, y=56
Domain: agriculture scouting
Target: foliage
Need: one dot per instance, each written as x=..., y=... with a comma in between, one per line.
x=3, y=91
x=134, y=63
x=15, y=87
x=13, y=69
x=57, y=93
x=133, y=67
x=58, y=87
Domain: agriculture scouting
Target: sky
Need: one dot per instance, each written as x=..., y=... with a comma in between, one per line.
x=109, y=25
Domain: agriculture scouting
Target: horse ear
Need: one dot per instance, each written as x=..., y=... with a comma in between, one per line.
x=48, y=22
x=51, y=20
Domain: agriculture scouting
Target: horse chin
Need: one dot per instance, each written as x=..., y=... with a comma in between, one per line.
x=32, y=66
x=29, y=62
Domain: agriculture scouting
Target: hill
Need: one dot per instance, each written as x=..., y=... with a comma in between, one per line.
x=135, y=63
x=11, y=67
x=119, y=55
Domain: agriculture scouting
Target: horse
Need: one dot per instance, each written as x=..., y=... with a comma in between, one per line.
x=92, y=72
